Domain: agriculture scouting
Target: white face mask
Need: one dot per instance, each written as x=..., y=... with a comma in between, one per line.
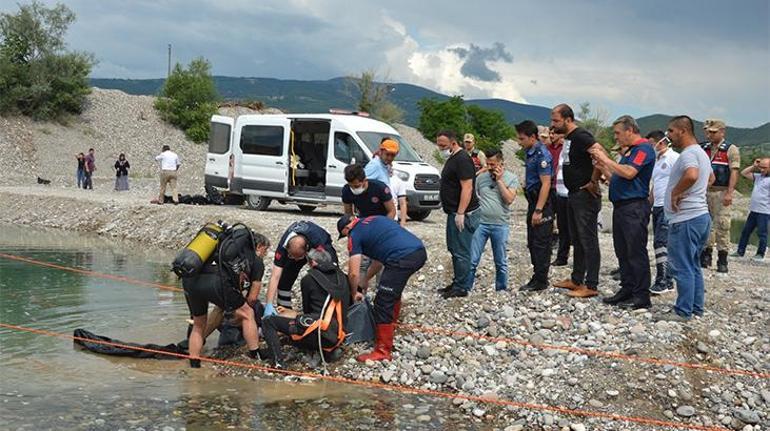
x=446, y=153
x=357, y=191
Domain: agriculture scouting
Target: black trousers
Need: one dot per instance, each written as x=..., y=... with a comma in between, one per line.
x=629, y=235
x=559, y=205
x=394, y=279
x=289, y=276
x=539, y=238
x=583, y=213
x=274, y=325
x=88, y=182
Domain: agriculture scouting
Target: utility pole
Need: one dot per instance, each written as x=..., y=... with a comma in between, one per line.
x=169, y=61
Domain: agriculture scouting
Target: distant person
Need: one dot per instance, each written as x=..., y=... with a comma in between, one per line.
x=169, y=165
x=461, y=205
x=559, y=195
x=398, y=190
x=584, y=202
x=537, y=186
x=759, y=208
x=378, y=168
x=725, y=162
x=688, y=215
x=366, y=197
x=665, y=159
x=496, y=188
x=90, y=167
x=478, y=157
x=80, y=174
x=121, y=173
x=629, y=193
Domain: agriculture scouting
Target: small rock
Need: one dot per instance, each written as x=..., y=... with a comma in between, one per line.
x=577, y=427
x=423, y=352
x=548, y=372
x=482, y=322
x=423, y=418
x=714, y=333
x=613, y=393
x=478, y=412
x=685, y=411
x=548, y=324
x=701, y=347
x=747, y=416
x=438, y=377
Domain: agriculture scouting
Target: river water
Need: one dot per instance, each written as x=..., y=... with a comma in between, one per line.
x=47, y=383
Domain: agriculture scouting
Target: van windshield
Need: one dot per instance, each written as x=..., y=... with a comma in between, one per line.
x=372, y=141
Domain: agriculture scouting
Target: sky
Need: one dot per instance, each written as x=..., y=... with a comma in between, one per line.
x=704, y=58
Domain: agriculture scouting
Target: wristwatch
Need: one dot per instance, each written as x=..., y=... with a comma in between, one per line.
x=539, y=210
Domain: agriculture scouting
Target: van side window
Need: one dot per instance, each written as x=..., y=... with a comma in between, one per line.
x=219, y=138
x=262, y=140
x=346, y=149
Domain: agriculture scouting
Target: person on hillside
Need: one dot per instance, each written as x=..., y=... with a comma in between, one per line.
x=665, y=159
x=539, y=171
x=380, y=166
x=80, y=174
x=169, y=166
x=629, y=193
x=395, y=251
x=559, y=194
x=121, y=173
x=478, y=157
x=759, y=208
x=496, y=188
x=90, y=168
x=725, y=162
x=584, y=202
x=688, y=215
x=461, y=205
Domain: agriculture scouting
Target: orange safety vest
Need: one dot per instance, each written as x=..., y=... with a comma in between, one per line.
x=322, y=324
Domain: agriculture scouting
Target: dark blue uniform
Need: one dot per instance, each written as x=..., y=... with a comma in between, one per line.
x=538, y=163
x=630, y=217
x=371, y=201
x=400, y=252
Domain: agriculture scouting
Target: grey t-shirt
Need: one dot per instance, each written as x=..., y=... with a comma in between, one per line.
x=694, y=202
x=493, y=209
x=760, y=196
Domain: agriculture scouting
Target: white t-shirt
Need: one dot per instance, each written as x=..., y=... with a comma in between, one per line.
x=398, y=190
x=660, y=176
x=693, y=204
x=561, y=189
x=168, y=160
x=760, y=196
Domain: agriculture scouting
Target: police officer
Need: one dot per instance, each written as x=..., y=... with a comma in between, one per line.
x=539, y=170
x=629, y=193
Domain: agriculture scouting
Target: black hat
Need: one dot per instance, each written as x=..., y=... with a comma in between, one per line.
x=343, y=222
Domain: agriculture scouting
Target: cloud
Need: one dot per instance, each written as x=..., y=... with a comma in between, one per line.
x=476, y=59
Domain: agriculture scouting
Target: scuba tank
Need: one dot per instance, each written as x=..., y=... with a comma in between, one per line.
x=191, y=258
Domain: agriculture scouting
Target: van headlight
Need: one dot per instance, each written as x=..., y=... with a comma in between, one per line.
x=403, y=176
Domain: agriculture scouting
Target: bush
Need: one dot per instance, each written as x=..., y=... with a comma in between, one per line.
x=373, y=98
x=38, y=78
x=188, y=99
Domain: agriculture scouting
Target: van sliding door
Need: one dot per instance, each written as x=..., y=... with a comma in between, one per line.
x=217, y=171
x=264, y=161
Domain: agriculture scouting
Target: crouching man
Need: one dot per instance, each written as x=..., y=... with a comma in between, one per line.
x=325, y=302
x=399, y=252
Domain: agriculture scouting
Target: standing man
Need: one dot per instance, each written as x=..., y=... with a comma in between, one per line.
x=478, y=157
x=460, y=203
x=393, y=248
x=398, y=190
x=169, y=165
x=759, y=208
x=629, y=194
x=539, y=170
x=725, y=162
x=380, y=166
x=584, y=202
x=369, y=197
x=687, y=212
x=290, y=257
x=559, y=194
x=664, y=279
x=496, y=189
x=90, y=166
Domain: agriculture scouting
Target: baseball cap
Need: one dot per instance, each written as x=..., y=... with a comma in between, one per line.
x=469, y=137
x=714, y=125
x=389, y=145
x=342, y=222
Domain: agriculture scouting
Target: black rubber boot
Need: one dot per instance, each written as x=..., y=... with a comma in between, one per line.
x=705, y=258
x=722, y=261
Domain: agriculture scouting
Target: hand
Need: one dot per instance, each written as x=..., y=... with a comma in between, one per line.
x=591, y=187
x=460, y=221
x=599, y=155
x=675, y=200
x=499, y=173
x=537, y=218
x=269, y=310
x=727, y=199
x=358, y=297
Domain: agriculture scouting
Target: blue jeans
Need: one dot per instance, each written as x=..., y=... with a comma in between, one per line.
x=81, y=177
x=685, y=244
x=498, y=234
x=754, y=221
x=459, y=245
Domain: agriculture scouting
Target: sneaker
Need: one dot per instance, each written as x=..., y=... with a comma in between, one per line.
x=736, y=254
x=758, y=258
x=672, y=316
x=445, y=289
x=661, y=288
x=559, y=262
x=454, y=293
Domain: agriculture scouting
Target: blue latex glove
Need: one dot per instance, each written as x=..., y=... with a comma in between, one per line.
x=269, y=310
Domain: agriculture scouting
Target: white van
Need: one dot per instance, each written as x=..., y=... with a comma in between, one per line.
x=300, y=158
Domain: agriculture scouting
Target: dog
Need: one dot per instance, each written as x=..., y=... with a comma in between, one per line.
x=43, y=182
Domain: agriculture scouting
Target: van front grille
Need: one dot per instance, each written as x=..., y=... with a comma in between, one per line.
x=427, y=182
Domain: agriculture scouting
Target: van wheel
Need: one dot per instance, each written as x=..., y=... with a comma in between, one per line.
x=259, y=203
x=306, y=209
x=418, y=215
